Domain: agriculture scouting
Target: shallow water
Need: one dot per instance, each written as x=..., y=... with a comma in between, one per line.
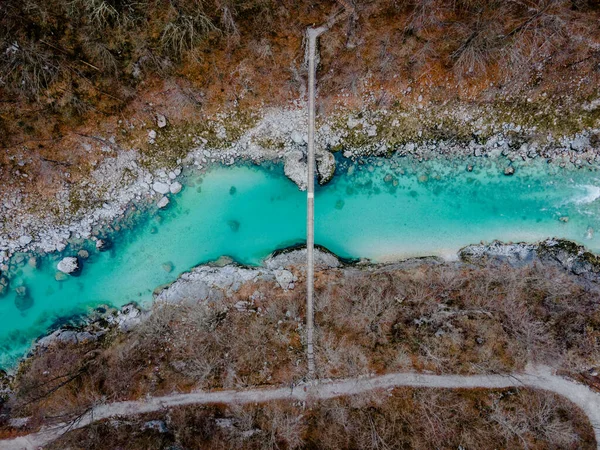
x=383, y=210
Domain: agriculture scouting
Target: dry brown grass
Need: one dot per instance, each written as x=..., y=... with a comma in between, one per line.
x=402, y=418
x=445, y=319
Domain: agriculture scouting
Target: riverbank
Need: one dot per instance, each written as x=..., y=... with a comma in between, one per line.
x=498, y=309
x=79, y=205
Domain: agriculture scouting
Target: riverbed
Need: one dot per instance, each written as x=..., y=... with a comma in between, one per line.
x=382, y=209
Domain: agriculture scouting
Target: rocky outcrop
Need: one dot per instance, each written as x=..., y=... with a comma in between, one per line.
x=214, y=281
x=294, y=166
x=325, y=166
x=206, y=283
x=69, y=265
x=553, y=252
x=515, y=255
x=297, y=257
x=100, y=322
x=4, y=283
x=570, y=256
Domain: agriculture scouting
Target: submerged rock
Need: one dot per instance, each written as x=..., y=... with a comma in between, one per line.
x=23, y=300
x=234, y=225
x=69, y=265
x=175, y=187
x=60, y=276
x=103, y=245
x=4, y=285
x=163, y=202
x=83, y=254
x=168, y=267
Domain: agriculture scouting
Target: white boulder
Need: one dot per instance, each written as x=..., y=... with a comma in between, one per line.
x=294, y=166
x=160, y=187
x=161, y=121
x=285, y=279
x=163, y=202
x=175, y=187
x=68, y=265
x=24, y=240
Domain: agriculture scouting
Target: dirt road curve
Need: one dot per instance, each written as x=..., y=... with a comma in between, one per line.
x=538, y=377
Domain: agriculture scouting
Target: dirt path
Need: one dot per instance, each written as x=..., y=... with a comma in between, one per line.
x=538, y=377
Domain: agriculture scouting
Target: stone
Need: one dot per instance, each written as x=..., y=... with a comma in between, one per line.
x=564, y=219
x=128, y=317
x=175, y=187
x=161, y=121
x=285, y=279
x=19, y=422
x=325, y=162
x=156, y=425
x=580, y=143
x=69, y=265
x=60, y=276
x=23, y=301
x=25, y=240
x=509, y=171
x=589, y=234
x=21, y=291
x=297, y=137
x=103, y=245
x=160, y=187
x=83, y=254
x=152, y=136
x=294, y=165
x=4, y=284
x=163, y=202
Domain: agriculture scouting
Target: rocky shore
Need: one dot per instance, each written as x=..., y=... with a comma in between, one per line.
x=130, y=177
x=223, y=279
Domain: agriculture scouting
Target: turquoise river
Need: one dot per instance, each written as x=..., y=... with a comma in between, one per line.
x=378, y=209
